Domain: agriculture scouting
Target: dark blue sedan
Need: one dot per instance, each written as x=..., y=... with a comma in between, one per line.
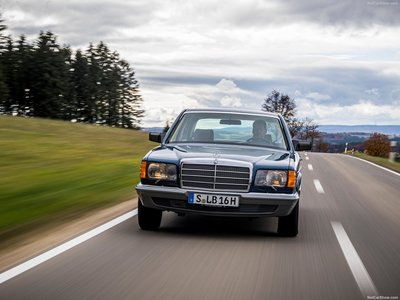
x=223, y=163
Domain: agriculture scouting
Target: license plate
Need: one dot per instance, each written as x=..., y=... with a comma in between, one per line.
x=214, y=200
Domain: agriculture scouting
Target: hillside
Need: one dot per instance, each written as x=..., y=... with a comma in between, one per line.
x=385, y=129
x=54, y=169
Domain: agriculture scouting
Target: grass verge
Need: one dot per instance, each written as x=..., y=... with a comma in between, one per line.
x=53, y=170
x=384, y=162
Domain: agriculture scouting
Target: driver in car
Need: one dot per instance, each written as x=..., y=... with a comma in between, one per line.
x=260, y=135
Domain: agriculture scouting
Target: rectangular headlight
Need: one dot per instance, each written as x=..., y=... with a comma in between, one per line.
x=275, y=178
x=161, y=171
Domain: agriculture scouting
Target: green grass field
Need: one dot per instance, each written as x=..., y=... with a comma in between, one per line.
x=53, y=169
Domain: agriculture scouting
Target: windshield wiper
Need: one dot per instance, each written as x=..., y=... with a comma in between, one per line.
x=175, y=147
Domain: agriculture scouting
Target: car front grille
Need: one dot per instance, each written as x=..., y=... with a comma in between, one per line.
x=215, y=177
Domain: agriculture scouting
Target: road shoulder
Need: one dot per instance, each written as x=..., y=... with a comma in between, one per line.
x=41, y=240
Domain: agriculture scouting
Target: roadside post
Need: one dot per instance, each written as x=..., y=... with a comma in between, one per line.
x=392, y=153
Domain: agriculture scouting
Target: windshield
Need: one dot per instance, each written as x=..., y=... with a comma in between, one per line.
x=229, y=128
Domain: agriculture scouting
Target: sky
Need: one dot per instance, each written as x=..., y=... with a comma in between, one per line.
x=339, y=60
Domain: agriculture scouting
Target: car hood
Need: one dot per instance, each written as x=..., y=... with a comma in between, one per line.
x=255, y=155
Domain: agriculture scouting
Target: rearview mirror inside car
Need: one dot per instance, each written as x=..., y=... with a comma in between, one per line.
x=230, y=122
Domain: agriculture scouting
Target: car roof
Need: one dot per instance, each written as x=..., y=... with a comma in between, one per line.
x=231, y=110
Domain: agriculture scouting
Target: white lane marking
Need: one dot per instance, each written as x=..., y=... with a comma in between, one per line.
x=358, y=269
x=318, y=186
x=7, y=275
x=371, y=163
x=307, y=158
x=310, y=167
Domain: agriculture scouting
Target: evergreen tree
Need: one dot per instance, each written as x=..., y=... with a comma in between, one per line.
x=3, y=85
x=92, y=87
x=81, y=84
x=50, y=88
x=109, y=85
x=68, y=105
x=44, y=79
x=7, y=63
x=131, y=112
x=22, y=77
x=3, y=91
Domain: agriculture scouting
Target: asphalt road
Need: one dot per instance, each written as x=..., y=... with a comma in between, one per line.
x=348, y=247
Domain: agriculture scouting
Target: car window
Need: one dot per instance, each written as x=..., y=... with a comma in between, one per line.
x=226, y=128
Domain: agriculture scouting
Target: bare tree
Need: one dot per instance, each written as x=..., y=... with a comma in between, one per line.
x=280, y=103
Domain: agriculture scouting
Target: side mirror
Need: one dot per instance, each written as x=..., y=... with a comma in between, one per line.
x=156, y=136
x=300, y=145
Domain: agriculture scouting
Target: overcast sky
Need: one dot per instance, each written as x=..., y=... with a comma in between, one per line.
x=339, y=60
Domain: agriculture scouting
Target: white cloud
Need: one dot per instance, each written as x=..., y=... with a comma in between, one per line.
x=228, y=101
x=213, y=53
x=226, y=85
x=365, y=112
x=317, y=96
x=168, y=102
x=373, y=92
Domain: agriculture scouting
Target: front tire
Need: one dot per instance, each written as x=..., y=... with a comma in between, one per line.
x=148, y=218
x=288, y=225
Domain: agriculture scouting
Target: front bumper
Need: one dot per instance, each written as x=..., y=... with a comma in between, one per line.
x=251, y=204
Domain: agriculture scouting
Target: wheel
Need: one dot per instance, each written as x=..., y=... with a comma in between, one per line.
x=148, y=218
x=288, y=225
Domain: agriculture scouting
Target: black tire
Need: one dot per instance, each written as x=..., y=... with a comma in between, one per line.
x=288, y=226
x=148, y=218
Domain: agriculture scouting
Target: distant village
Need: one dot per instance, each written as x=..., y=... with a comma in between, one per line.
x=355, y=140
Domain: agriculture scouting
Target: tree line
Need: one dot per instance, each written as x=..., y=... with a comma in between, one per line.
x=45, y=79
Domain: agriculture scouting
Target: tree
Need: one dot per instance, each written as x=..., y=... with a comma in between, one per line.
x=306, y=129
x=280, y=103
x=3, y=85
x=51, y=85
x=295, y=126
x=284, y=105
x=167, y=126
x=378, y=145
x=81, y=87
x=130, y=106
x=7, y=59
x=309, y=129
x=20, y=76
x=107, y=86
x=45, y=79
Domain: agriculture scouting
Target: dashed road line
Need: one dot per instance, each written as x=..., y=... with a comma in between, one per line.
x=307, y=158
x=11, y=273
x=357, y=267
x=310, y=167
x=318, y=186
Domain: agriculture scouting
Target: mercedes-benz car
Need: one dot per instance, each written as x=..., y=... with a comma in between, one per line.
x=223, y=163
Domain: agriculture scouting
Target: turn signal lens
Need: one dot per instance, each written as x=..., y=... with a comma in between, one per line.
x=143, y=169
x=291, y=179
